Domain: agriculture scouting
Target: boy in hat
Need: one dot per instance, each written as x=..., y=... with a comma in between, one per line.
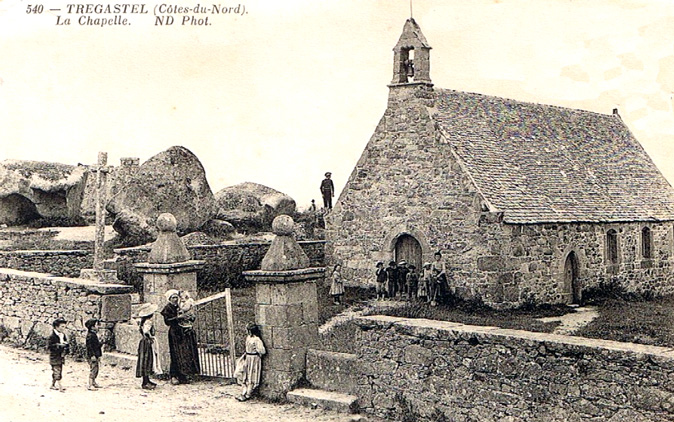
x=381, y=277
x=93, y=352
x=402, y=278
x=392, y=278
x=328, y=191
x=58, y=348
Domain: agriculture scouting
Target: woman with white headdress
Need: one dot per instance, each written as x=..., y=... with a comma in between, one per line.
x=182, y=341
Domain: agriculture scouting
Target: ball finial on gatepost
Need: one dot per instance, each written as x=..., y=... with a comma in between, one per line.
x=283, y=225
x=168, y=248
x=284, y=253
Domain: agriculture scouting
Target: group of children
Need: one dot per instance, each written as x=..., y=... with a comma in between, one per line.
x=402, y=281
x=248, y=370
x=59, y=347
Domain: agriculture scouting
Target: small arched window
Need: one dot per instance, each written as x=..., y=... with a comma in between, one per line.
x=646, y=243
x=612, y=246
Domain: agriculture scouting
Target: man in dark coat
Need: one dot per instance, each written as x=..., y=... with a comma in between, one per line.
x=182, y=342
x=327, y=190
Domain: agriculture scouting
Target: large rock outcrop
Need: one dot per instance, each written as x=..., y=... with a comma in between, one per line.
x=172, y=181
x=252, y=207
x=34, y=189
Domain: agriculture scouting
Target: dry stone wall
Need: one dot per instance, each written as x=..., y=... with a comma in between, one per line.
x=32, y=301
x=224, y=263
x=64, y=263
x=431, y=370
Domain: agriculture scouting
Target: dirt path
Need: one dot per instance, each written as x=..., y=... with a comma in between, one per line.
x=25, y=397
x=573, y=321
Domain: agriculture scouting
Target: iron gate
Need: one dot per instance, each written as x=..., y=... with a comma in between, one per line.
x=214, y=329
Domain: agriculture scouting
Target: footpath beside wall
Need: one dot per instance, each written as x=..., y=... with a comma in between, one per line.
x=415, y=369
x=31, y=301
x=224, y=266
x=64, y=263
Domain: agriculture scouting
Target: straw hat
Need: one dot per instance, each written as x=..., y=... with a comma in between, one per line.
x=147, y=309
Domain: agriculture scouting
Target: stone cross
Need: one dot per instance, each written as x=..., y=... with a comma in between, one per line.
x=101, y=169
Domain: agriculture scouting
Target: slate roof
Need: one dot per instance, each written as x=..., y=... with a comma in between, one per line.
x=540, y=163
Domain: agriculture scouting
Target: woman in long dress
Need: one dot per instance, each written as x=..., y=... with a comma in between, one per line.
x=182, y=342
x=252, y=363
x=148, y=358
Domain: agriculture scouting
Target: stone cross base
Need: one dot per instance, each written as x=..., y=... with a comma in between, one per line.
x=102, y=276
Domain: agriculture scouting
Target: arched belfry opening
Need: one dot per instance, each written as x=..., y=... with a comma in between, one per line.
x=411, y=58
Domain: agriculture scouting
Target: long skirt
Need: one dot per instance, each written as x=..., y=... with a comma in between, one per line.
x=252, y=372
x=148, y=358
x=337, y=288
x=183, y=351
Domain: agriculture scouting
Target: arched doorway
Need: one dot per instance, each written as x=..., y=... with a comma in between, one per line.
x=407, y=248
x=571, y=281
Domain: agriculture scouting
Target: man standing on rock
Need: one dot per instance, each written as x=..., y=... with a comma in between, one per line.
x=328, y=191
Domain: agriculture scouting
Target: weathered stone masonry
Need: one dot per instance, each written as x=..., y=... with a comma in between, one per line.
x=519, y=197
x=427, y=368
x=224, y=263
x=65, y=263
x=401, y=187
x=32, y=301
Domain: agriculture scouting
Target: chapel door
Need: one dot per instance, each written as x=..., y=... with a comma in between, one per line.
x=571, y=281
x=408, y=249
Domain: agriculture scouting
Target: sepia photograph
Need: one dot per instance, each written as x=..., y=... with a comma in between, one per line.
x=337, y=211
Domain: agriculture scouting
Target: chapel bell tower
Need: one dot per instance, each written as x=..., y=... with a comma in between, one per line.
x=412, y=56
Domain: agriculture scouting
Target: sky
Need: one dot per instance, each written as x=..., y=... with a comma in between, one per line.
x=295, y=88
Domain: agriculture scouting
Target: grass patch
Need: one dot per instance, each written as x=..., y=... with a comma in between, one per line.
x=353, y=296
x=473, y=313
x=643, y=322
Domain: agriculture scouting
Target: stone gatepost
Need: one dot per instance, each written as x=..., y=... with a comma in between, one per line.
x=286, y=309
x=169, y=267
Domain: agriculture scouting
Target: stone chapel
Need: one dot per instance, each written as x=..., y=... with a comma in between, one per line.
x=527, y=202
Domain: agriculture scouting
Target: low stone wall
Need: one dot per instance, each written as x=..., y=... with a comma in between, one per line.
x=224, y=263
x=332, y=371
x=32, y=301
x=64, y=263
x=433, y=370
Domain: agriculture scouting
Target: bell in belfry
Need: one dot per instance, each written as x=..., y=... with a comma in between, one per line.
x=409, y=64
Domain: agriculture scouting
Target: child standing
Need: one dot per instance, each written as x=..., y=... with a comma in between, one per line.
x=337, y=286
x=252, y=369
x=381, y=277
x=58, y=348
x=412, y=281
x=422, y=290
x=148, y=358
x=93, y=352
